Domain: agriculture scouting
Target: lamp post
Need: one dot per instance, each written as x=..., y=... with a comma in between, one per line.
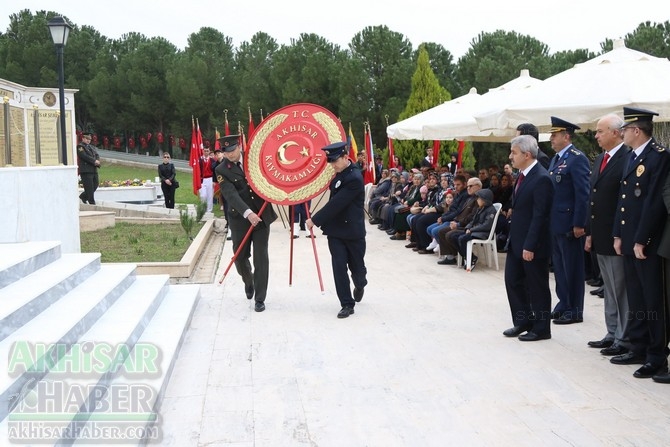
x=60, y=30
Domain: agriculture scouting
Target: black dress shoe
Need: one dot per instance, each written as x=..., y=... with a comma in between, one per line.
x=649, y=370
x=390, y=231
x=424, y=252
x=614, y=350
x=447, y=261
x=345, y=312
x=629, y=358
x=604, y=343
x=260, y=306
x=595, y=282
x=249, y=290
x=532, y=336
x=516, y=331
x=597, y=291
x=662, y=377
x=358, y=294
x=411, y=245
x=398, y=237
x=375, y=221
x=564, y=319
x=556, y=314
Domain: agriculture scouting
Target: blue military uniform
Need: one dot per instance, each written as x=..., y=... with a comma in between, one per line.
x=342, y=221
x=569, y=172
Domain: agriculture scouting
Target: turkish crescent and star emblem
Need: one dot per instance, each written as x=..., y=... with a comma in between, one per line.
x=285, y=162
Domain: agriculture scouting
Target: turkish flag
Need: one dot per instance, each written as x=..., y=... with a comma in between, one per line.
x=105, y=141
x=160, y=138
x=117, y=143
x=131, y=143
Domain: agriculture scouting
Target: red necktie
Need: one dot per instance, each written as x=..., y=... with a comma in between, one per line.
x=604, y=162
x=518, y=181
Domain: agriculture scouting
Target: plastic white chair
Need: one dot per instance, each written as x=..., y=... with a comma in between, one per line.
x=489, y=244
x=368, y=192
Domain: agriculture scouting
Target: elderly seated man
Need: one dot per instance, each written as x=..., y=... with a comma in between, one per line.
x=382, y=189
x=479, y=228
x=457, y=226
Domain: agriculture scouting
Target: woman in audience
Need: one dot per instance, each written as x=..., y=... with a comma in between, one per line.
x=412, y=198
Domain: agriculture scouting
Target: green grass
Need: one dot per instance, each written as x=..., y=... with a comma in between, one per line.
x=127, y=242
x=183, y=195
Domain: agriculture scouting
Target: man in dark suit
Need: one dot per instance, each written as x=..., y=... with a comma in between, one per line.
x=527, y=264
x=569, y=171
x=342, y=221
x=664, y=251
x=638, y=228
x=605, y=183
x=243, y=208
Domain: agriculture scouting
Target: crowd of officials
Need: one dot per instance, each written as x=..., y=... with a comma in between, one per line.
x=549, y=214
x=562, y=214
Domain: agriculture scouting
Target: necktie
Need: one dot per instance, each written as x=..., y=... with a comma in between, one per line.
x=518, y=181
x=604, y=162
x=632, y=158
x=555, y=161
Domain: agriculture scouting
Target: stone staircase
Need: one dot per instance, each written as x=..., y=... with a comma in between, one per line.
x=86, y=349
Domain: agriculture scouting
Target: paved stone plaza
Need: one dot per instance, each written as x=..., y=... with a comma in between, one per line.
x=422, y=362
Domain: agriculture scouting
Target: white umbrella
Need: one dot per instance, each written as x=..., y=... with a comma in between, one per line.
x=588, y=91
x=412, y=128
x=454, y=120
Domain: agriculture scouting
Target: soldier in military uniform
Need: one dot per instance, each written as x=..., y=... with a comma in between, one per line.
x=569, y=171
x=88, y=160
x=243, y=208
x=342, y=221
x=638, y=228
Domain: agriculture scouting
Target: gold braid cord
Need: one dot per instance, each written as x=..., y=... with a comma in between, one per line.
x=254, y=161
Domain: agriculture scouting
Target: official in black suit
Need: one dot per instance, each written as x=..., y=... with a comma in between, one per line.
x=605, y=182
x=243, y=206
x=664, y=251
x=342, y=221
x=569, y=171
x=527, y=264
x=638, y=228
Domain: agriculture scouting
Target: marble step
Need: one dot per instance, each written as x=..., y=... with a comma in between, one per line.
x=82, y=379
x=26, y=298
x=21, y=259
x=63, y=323
x=165, y=331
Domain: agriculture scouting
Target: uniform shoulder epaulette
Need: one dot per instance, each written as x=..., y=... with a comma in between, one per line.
x=658, y=147
x=576, y=151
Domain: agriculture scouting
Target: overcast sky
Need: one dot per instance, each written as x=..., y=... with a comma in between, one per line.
x=562, y=25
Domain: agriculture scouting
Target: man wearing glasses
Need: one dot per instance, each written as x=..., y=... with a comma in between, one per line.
x=638, y=226
x=89, y=163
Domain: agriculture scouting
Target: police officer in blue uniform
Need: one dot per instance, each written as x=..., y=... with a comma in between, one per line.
x=569, y=171
x=243, y=207
x=638, y=227
x=342, y=221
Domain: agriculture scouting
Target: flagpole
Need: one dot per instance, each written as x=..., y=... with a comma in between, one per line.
x=290, y=257
x=316, y=256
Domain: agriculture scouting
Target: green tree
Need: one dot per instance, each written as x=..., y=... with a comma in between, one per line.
x=376, y=80
x=254, y=62
x=426, y=92
x=651, y=38
x=303, y=72
x=442, y=64
x=201, y=83
x=495, y=58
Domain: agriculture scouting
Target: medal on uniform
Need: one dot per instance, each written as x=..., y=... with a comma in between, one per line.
x=640, y=170
x=558, y=179
x=337, y=185
x=638, y=192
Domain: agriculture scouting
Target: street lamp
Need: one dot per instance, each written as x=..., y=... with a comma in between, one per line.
x=60, y=30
